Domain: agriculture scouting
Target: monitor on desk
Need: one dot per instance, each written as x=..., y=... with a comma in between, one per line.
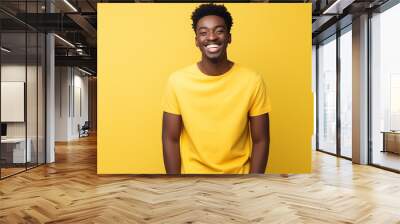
x=3, y=130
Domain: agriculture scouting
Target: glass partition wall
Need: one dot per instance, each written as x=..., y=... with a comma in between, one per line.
x=327, y=95
x=345, y=62
x=334, y=105
x=385, y=89
x=13, y=91
x=22, y=88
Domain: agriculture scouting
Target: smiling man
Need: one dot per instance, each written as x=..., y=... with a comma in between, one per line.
x=215, y=116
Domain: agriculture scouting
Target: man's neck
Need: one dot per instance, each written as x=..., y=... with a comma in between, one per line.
x=210, y=67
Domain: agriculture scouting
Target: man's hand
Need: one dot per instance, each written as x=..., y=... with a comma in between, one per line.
x=171, y=132
x=259, y=127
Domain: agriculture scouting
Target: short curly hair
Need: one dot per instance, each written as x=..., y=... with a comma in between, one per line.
x=211, y=9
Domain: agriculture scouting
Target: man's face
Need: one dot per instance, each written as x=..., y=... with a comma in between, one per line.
x=212, y=36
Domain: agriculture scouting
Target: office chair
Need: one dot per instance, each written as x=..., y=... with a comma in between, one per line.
x=84, y=130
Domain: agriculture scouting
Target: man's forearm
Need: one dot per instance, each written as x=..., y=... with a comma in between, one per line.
x=171, y=131
x=172, y=156
x=260, y=137
x=259, y=157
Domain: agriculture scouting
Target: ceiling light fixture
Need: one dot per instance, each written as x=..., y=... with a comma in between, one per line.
x=337, y=7
x=5, y=50
x=84, y=71
x=64, y=40
x=70, y=5
x=80, y=51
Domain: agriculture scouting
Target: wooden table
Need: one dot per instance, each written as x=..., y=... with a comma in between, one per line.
x=391, y=141
x=13, y=150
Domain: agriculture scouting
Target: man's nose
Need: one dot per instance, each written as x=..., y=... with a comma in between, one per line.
x=212, y=36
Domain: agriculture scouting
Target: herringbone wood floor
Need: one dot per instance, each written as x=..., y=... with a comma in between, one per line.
x=69, y=191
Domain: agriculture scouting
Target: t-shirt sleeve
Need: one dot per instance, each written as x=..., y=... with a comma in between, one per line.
x=170, y=101
x=260, y=102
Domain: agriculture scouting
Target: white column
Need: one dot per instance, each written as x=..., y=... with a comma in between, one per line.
x=360, y=89
x=50, y=92
x=50, y=110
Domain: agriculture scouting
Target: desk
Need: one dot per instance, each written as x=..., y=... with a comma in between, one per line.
x=15, y=148
x=391, y=141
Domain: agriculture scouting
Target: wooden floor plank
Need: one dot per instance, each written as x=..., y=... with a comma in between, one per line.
x=70, y=191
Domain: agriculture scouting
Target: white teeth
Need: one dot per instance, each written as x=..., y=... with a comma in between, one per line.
x=212, y=45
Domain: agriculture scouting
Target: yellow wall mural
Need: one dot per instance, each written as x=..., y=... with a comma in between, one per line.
x=141, y=44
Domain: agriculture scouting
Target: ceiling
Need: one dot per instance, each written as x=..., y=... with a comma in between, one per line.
x=76, y=22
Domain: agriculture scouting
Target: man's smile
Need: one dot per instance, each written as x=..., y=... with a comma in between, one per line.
x=213, y=48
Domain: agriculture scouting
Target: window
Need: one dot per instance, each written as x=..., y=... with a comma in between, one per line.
x=385, y=88
x=346, y=93
x=327, y=95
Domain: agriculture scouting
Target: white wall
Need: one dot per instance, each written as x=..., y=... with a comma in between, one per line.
x=80, y=110
x=10, y=73
x=33, y=127
x=71, y=94
x=16, y=73
x=62, y=81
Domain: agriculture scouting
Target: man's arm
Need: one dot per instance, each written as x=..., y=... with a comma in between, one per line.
x=259, y=127
x=171, y=132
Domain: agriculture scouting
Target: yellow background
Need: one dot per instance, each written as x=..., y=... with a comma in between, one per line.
x=140, y=45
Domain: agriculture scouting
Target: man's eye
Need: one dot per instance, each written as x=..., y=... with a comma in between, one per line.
x=203, y=33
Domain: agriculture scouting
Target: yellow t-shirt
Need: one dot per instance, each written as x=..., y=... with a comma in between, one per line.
x=215, y=109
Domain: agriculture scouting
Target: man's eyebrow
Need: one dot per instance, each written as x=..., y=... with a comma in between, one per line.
x=219, y=26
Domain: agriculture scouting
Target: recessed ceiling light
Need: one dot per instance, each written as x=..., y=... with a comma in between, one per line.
x=84, y=71
x=70, y=5
x=64, y=40
x=338, y=6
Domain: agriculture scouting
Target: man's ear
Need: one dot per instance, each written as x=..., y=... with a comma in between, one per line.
x=229, y=38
